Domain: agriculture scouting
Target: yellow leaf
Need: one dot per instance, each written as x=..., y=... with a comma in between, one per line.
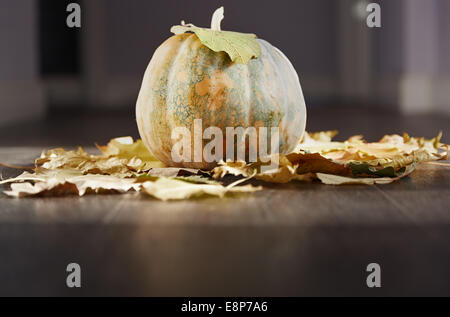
x=173, y=189
x=329, y=179
x=238, y=168
x=241, y=47
x=392, y=150
x=63, y=182
x=126, y=148
x=120, y=157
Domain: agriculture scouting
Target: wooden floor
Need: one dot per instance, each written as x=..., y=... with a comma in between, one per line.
x=287, y=240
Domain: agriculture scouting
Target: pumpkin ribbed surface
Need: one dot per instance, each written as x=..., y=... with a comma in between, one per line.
x=185, y=80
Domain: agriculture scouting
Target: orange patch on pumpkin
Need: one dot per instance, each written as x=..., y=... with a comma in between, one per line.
x=214, y=86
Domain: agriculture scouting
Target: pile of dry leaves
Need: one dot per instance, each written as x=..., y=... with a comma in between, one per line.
x=125, y=165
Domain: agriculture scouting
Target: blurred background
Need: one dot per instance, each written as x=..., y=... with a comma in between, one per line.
x=61, y=85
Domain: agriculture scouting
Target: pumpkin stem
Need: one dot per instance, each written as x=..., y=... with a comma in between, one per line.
x=217, y=19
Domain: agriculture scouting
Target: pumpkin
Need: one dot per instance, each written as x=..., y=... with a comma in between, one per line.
x=186, y=80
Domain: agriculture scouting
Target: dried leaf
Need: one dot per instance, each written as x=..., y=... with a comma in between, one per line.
x=323, y=136
x=366, y=169
x=49, y=188
x=329, y=179
x=174, y=189
x=126, y=165
x=59, y=183
x=43, y=175
x=283, y=174
x=314, y=163
x=71, y=181
x=121, y=157
x=239, y=168
x=341, y=180
x=171, y=172
x=391, y=150
x=289, y=168
x=354, y=160
x=126, y=148
x=196, y=179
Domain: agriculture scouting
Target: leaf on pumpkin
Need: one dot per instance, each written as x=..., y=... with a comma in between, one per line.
x=175, y=189
x=241, y=47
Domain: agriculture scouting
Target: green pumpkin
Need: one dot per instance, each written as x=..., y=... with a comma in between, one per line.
x=186, y=80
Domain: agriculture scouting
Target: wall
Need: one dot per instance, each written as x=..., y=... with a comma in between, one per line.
x=132, y=30
x=404, y=65
x=21, y=95
x=411, y=56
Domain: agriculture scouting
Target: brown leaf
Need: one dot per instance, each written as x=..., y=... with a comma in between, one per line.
x=316, y=163
x=289, y=168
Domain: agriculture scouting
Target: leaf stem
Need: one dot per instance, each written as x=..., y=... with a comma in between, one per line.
x=217, y=19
